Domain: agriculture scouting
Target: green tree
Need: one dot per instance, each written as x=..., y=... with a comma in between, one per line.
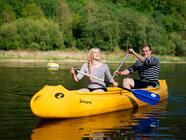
x=49, y=7
x=133, y=29
x=159, y=40
x=100, y=27
x=31, y=34
x=180, y=44
x=65, y=20
x=9, y=37
x=32, y=10
x=7, y=15
x=171, y=23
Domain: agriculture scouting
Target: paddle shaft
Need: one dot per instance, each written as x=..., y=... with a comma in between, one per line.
x=96, y=78
x=100, y=79
x=121, y=64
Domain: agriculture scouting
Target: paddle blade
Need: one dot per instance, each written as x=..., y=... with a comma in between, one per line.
x=146, y=96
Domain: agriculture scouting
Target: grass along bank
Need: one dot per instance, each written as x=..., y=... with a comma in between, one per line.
x=74, y=56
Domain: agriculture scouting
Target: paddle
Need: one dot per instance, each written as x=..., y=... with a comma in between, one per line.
x=143, y=95
x=121, y=64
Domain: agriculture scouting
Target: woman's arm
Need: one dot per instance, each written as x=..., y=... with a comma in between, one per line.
x=73, y=72
x=78, y=76
x=109, y=76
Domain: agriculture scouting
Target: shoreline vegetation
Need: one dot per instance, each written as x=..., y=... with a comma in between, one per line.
x=111, y=25
x=74, y=56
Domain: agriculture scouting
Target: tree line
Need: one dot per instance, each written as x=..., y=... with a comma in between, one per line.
x=108, y=24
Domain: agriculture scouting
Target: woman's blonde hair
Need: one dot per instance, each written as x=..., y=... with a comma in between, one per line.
x=90, y=57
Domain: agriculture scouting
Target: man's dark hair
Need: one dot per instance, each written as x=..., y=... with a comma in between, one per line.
x=147, y=45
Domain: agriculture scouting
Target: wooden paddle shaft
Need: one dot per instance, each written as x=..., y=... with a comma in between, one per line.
x=121, y=63
x=90, y=76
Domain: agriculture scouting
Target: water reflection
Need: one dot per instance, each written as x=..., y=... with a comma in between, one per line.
x=126, y=124
x=18, y=83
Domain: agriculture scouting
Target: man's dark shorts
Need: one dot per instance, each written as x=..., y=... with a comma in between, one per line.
x=143, y=84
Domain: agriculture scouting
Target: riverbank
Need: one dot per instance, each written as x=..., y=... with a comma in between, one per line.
x=74, y=56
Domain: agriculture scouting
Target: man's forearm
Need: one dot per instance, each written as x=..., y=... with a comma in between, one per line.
x=141, y=58
x=125, y=72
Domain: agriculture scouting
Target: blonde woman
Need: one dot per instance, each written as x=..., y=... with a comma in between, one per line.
x=95, y=68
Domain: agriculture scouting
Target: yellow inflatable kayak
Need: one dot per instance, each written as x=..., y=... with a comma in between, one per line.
x=58, y=102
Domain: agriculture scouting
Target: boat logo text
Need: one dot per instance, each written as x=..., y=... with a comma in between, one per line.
x=85, y=101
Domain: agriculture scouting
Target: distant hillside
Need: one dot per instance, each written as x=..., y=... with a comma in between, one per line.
x=108, y=24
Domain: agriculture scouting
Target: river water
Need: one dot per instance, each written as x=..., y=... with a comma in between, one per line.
x=20, y=81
